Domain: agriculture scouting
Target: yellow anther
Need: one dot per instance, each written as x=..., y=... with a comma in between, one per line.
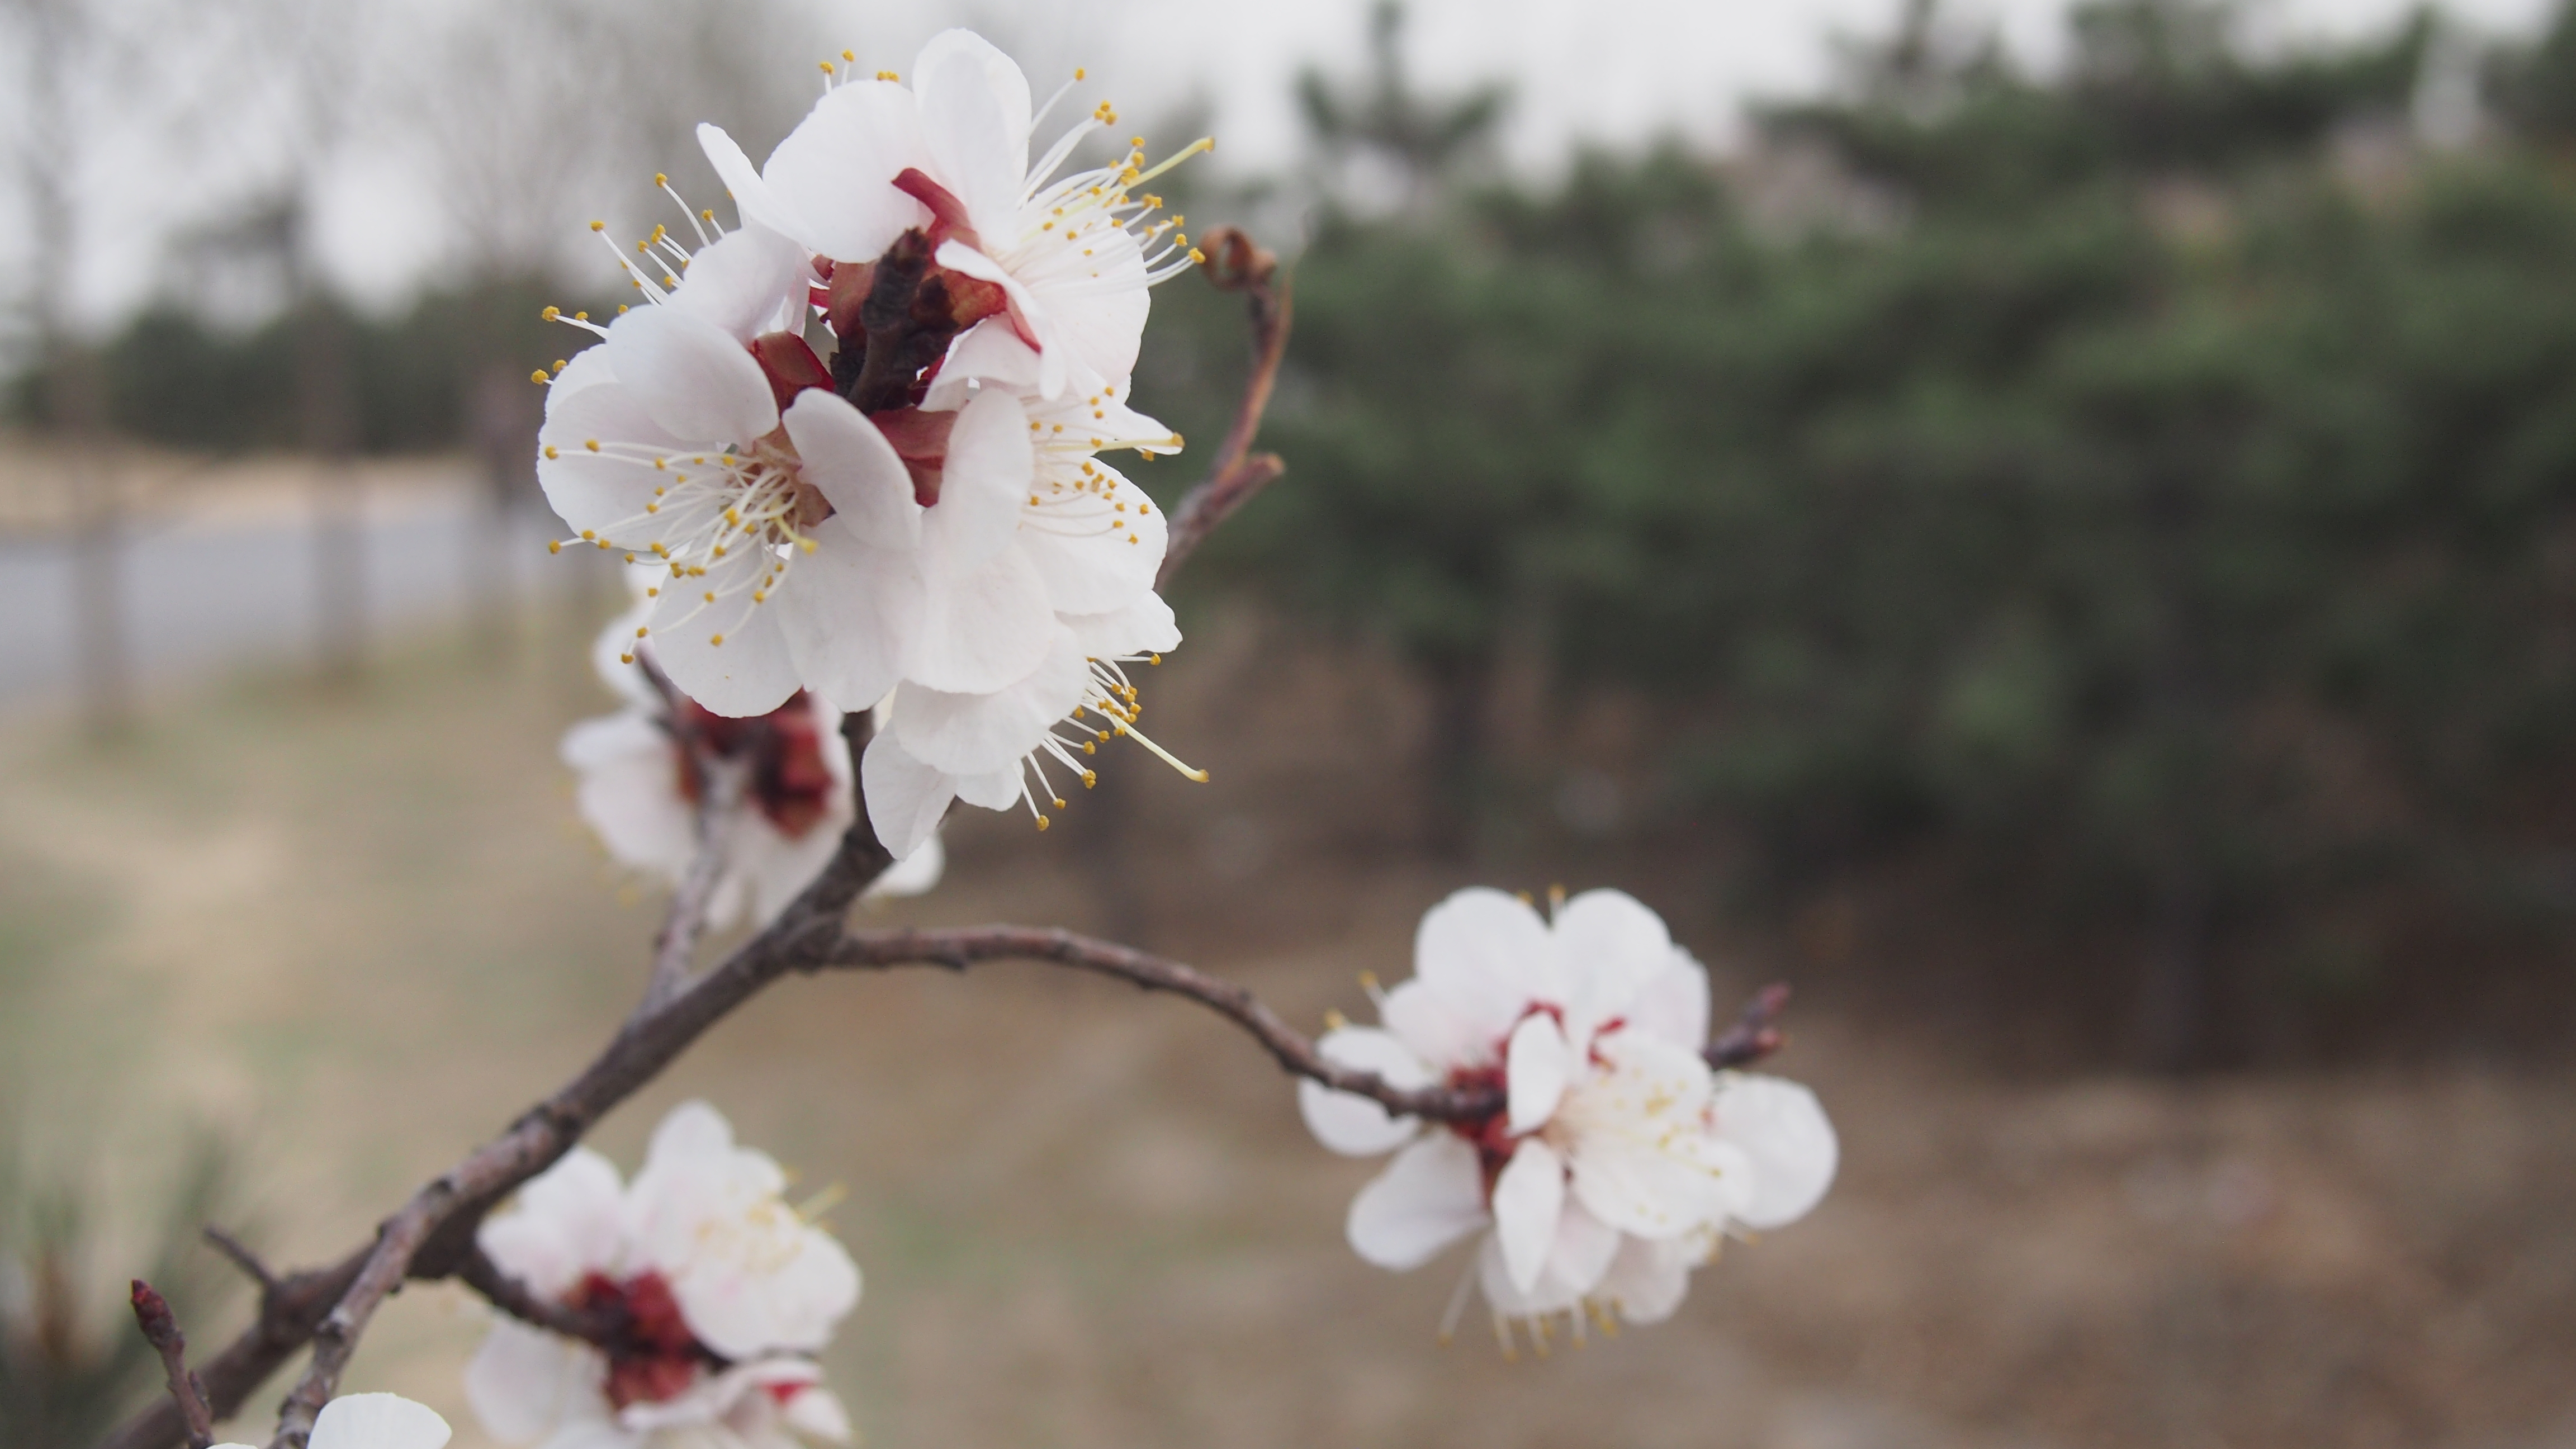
x=550, y=451
x=806, y=544
x=625, y=658
x=1042, y=822
x=849, y=55
x=652, y=507
x=550, y=314
x=591, y=443
x=1090, y=778
x=711, y=597
x=827, y=68
x=554, y=545
x=599, y=226
x=559, y=364
x=537, y=376
x=581, y=316
x=1335, y=1021
x=588, y=536
x=653, y=591
x=716, y=640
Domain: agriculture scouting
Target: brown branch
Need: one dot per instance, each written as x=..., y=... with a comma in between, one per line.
x=240, y=1256
x=161, y=1330
x=957, y=949
x=519, y=1301
x=1753, y=1036
x=1234, y=264
x=676, y=946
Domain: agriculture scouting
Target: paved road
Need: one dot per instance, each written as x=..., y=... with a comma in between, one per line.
x=211, y=591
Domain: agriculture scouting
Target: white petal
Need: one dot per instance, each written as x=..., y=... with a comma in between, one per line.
x=1528, y=1197
x=1430, y=1196
x=602, y=491
x=1537, y=1066
x=377, y=1421
x=1094, y=558
x=975, y=122
x=750, y=673
x=977, y=733
x=1648, y=1278
x=837, y=169
x=992, y=789
x=906, y=798
x=990, y=351
x=1608, y=946
x=846, y=613
x=1146, y=626
x=1641, y=1161
x=1783, y=1129
x=737, y=282
x=845, y=456
x=1576, y=1259
x=983, y=486
x=523, y=1381
x=1673, y=1004
x=917, y=873
x=752, y=197
x=983, y=631
x=817, y=1414
x=695, y=379
x=1488, y=955
x=1350, y=1124
x=564, y=1225
x=1423, y=1020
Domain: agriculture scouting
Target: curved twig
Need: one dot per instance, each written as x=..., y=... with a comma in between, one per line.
x=1234, y=264
x=956, y=949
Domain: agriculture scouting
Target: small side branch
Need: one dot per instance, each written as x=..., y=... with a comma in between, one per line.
x=676, y=947
x=957, y=949
x=1755, y=1034
x=1234, y=264
x=240, y=1256
x=161, y=1329
x=516, y=1299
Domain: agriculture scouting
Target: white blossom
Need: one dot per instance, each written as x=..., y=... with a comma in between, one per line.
x=1618, y=1160
x=373, y=1421
x=640, y=790
x=722, y=1291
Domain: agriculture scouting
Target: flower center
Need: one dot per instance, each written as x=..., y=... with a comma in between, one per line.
x=789, y=782
x=652, y=1355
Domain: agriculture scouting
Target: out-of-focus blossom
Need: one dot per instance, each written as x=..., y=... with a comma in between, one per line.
x=719, y=1293
x=373, y=1421
x=642, y=785
x=1618, y=1159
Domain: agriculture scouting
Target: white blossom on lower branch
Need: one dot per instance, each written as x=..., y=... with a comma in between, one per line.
x=373, y=1421
x=718, y=1290
x=1619, y=1160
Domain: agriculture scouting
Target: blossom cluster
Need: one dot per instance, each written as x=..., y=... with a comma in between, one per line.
x=1618, y=1160
x=922, y=522
x=714, y=1295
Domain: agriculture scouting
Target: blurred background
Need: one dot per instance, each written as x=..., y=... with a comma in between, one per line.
x=2051, y=528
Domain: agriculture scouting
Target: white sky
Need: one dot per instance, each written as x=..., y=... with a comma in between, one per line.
x=1597, y=71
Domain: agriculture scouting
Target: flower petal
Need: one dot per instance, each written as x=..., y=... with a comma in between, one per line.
x=1489, y=957
x=846, y=613
x=738, y=282
x=753, y=198
x=1783, y=1129
x=984, y=630
x=975, y=123
x=565, y=1224
x=377, y=1421
x=990, y=352
x=983, y=487
x=906, y=798
x=1673, y=1004
x=1537, y=1065
x=1648, y=1278
x=1146, y=626
x=1608, y=945
x=600, y=490
x=1430, y=1196
x=1641, y=1161
x=750, y=673
x=1097, y=553
x=845, y=456
x=523, y=1381
x=837, y=169
x=975, y=734
x=816, y=1413
x=629, y=793
x=1529, y=1196
x=1346, y=1122
x=1576, y=1259
x=695, y=379
x=1422, y=1019
x=914, y=873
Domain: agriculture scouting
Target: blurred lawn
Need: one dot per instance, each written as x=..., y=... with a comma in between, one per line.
x=358, y=930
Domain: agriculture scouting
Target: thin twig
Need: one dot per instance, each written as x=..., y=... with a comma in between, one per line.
x=161, y=1329
x=1234, y=264
x=240, y=1255
x=1753, y=1036
x=957, y=949
x=720, y=793
x=519, y=1301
